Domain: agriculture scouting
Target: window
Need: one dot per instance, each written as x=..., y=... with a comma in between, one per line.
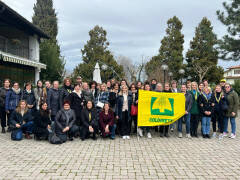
x=237, y=71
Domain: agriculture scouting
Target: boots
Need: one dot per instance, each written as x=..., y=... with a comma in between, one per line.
x=3, y=130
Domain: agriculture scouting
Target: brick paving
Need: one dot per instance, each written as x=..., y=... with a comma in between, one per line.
x=156, y=158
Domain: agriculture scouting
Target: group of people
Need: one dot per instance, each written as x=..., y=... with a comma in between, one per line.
x=92, y=110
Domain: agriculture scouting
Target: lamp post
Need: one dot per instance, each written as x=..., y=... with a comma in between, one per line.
x=181, y=72
x=170, y=74
x=164, y=68
x=105, y=67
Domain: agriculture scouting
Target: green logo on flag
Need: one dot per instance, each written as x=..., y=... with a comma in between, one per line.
x=162, y=106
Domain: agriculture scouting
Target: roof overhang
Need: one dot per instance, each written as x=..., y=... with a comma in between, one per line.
x=19, y=60
x=11, y=17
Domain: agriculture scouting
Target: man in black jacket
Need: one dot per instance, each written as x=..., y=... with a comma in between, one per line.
x=3, y=92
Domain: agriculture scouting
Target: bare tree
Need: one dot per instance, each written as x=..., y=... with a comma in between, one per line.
x=201, y=70
x=141, y=66
x=129, y=68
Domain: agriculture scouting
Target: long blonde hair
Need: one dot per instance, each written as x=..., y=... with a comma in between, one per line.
x=121, y=91
x=18, y=109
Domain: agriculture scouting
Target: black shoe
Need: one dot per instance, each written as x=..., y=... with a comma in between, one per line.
x=9, y=129
x=70, y=138
x=3, y=130
x=204, y=136
x=166, y=135
x=161, y=134
x=207, y=136
x=94, y=138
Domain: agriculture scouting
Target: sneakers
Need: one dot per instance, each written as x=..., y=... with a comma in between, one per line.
x=149, y=135
x=127, y=137
x=180, y=135
x=188, y=136
x=214, y=135
x=220, y=136
x=233, y=136
x=224, y=134
x=124, y=137
x=140, y=132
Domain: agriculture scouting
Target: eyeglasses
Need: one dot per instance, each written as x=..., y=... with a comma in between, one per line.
x=227, y=86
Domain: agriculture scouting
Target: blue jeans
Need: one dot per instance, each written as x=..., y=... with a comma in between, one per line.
x=187, y=118
x=112, y=130
x=25, y=128
x=233, y=124
x=206, y=125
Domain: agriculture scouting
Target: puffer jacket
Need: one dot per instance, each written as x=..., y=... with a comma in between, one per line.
x=233, y=103
x=12, y=100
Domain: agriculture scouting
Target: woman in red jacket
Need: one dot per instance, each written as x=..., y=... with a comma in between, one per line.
x=106, y=121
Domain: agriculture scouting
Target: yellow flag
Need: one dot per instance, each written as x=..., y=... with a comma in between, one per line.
x=156, y=108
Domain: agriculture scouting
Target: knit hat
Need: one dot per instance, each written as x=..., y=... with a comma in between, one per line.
x=66, y=102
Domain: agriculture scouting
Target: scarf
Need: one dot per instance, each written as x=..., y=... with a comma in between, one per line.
x=17, y=91
x=28, y=91
x=78, y=93
x=207, y=96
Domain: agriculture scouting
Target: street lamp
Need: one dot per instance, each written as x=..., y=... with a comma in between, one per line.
x=181, y=72
x=164, y=67
x=170, y=74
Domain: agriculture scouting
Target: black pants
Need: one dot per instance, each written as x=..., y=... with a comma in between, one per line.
x=134, y=120
x=194, y=124
x=85, y=133
x=217, y=117
x=3, y=117
x=162, y=128
x=53, y=118
x=125, y=125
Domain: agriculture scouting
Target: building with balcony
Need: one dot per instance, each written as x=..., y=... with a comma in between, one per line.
x=232, y=74
x=19, y=47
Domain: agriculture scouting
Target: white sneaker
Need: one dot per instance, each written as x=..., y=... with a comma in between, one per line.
x=233, y=136
x=220, y=136
x=124, y=137
x=224, y=134
x=180, y=135
x=149, y=135
x=127, y=137
x=188, y=136
x=140, y=132
x=214, y=135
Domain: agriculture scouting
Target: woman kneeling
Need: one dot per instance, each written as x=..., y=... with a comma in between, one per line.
x=65, y=127
x=106, y=122
x=21, y=121
x=42, y=123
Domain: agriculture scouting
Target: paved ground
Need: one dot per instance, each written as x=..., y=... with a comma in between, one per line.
x=157, y=158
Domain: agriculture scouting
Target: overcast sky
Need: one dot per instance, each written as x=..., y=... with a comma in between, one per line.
x=134, y=27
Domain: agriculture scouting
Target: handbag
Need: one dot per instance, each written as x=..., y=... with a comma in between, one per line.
x=134, y=110
x=54, y=139
x=99, y=104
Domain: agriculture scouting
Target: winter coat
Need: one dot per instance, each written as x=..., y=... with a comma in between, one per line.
x=112, y=99
x=188, y=101
x=233, y=103
x=218, y=102
x=102, y=97
x=29, y=98
x=85, y=117
x=41, y=123
x=105, y=120
x=64, y=93
x=76, y=103
x=62, y=121
x=17, y=118
x=134, y=100
x=3, y=93
x=195, y=103
x=53, y=101
x=206, y=105
x=87, y=96
x=119, y=107
x=12, y=100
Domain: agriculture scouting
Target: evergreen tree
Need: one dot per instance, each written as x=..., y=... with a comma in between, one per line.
x=46, y=19
x=171, y=49
x=96, y=50
x=230, y=44
x=202, y=57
